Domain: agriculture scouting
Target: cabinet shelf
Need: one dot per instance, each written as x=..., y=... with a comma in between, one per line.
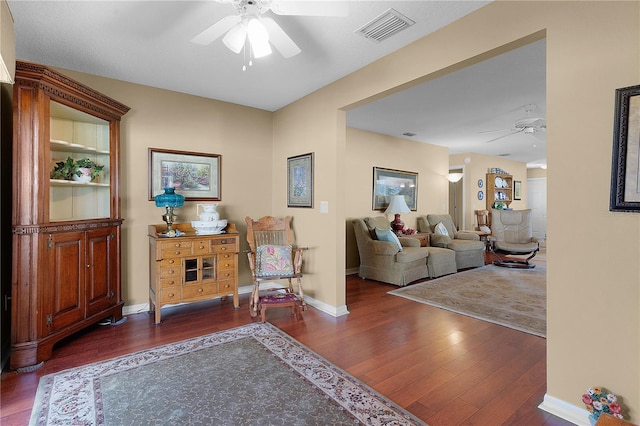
x=64, y=146
x=63, y=182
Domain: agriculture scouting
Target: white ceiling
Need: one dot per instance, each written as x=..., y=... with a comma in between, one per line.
x=147, y=42
x=471, y=110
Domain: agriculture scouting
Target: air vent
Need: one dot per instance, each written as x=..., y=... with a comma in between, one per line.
x=384, y=26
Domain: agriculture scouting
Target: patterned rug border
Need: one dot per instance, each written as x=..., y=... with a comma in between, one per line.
x=71, y=392
x=401, y=293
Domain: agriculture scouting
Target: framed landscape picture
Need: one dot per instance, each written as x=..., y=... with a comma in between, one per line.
x=196, y=176
x=389, y=182
x=517, y=190
x=300, y=181
x=625, y=169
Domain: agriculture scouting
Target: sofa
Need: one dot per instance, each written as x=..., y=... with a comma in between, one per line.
x=398, y=261
x=468, y=248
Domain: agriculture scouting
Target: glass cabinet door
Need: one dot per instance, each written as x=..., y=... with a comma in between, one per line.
x=198, y=269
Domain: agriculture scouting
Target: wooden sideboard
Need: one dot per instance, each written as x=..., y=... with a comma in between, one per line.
x=191, y=267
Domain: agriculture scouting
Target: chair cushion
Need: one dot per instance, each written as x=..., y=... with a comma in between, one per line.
x=277, y=298
x=516, y=248
x=387, y=235
x=273, y=261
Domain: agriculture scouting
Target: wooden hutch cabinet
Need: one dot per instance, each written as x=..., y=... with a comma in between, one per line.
x=66, y=234
x=191, y=267
x=499, y=188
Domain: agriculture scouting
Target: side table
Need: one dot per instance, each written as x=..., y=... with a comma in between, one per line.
x=423, y=237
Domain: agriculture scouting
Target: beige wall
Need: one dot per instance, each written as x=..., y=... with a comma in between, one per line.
x=169, y=120
x=593, y=293
x=366, y=150
x=476, y=168
x=592, y=49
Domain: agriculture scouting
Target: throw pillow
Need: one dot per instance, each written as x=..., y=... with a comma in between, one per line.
x=387, y=235
x=441, y=229
x=485, y=229
x=273, y=261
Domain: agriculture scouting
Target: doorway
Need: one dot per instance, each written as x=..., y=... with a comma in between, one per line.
x=456, y=185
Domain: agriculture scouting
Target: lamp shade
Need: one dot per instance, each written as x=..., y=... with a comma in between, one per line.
x=397, y=205
x=169, y=199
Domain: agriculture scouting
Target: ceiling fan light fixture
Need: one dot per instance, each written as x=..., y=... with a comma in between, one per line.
x=258, y=38
x=235, y=38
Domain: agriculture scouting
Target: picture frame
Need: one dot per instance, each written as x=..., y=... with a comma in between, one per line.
x=625, y=168
x=388, y=182
x=194, y=175
x=517, y=190
x=300, y=181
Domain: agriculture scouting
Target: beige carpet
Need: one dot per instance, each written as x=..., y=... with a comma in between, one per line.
x=514, y=298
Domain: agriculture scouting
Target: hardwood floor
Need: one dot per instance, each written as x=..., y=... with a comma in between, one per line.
x=445, y=368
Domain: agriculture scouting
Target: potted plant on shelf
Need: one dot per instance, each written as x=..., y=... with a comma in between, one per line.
x=83, y=170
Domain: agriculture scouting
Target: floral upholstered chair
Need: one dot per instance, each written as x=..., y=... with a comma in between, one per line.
x=273, y=257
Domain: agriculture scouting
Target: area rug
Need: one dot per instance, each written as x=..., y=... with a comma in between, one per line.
x=514, y=298
x=250, y=375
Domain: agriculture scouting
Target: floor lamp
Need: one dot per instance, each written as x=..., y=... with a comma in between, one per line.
x=454, y=178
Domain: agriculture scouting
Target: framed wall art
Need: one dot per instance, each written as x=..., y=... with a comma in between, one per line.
x=625, y=168
x=194, y=175
x=517, y=190
x=300, y=181
x=388, y=182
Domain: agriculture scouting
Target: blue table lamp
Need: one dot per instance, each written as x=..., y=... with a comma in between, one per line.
x=169, y=200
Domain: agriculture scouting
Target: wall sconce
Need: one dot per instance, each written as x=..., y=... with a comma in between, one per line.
x=169, y=200
x=397, y=205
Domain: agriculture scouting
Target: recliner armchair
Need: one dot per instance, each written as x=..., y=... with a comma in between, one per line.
x=512, y=234
x=383, y=260
x=467, y=246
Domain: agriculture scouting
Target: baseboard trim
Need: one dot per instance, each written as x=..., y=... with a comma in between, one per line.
x=564, y=410
x=335, y=311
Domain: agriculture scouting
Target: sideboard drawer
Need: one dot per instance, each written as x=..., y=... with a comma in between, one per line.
x=201, y=247
x=170, y=296
x=226, y=274
x=199, y=291
x=226, y=261
x=227, y=286
x=171, y=271
x=166, y=283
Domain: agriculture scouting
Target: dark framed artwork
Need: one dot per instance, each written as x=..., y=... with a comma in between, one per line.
x=388, y=182
x=300, y=181
x=194, y=175
x=517, y=190
x=625, y=168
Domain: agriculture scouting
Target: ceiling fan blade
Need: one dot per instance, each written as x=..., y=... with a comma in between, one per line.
x=209, y=35
x=310, y=8
x=504, y=136
x=280, y=39
x=498, y=130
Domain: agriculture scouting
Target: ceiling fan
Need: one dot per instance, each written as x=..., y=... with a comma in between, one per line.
x=249, y=23
x=528, y=125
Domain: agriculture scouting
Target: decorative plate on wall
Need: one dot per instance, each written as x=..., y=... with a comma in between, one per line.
x=480, y=195
x=480, y=183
